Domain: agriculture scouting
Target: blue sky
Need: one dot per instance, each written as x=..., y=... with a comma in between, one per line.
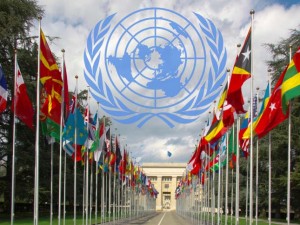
x=72, y=22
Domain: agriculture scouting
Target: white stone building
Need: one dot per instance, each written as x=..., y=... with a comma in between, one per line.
x=165, y=177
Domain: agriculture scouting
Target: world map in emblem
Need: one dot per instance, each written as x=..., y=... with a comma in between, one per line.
x=155, y=58
x=155, y=62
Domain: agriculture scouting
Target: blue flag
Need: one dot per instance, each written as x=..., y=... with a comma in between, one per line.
x=69, y=129
x=169, y=154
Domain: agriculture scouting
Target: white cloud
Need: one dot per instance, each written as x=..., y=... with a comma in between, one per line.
x=72, y=22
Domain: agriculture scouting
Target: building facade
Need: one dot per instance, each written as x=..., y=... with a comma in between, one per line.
x=165, y=177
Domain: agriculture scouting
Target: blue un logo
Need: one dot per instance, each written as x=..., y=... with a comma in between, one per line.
x=155, y=63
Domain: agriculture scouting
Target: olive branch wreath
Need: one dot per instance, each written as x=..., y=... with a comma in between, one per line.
x=188, y=113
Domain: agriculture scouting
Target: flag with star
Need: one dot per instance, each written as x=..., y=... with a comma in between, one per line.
x=273, y=115
x=240, y=73
x=69, y=129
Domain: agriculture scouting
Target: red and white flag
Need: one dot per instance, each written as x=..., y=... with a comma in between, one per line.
x=22, y=106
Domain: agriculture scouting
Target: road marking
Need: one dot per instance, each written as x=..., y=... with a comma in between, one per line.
x=162, y=218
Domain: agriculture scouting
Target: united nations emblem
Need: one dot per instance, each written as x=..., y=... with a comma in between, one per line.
x=155, y=63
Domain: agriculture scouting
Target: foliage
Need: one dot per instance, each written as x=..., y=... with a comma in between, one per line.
x=279, y=140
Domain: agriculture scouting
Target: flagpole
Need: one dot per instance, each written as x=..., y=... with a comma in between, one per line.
x=37, y=136
x=103, y=179
x=213, y=199
x=62, y=122
x=75, y=158
x=256, y=183
x=96, y=192
x=83, y=191
x=237, y=184
x=60, y=145
x=231, y=200
x=247, y=190
x=115, y=179
x=227, y=161
x=87, y=168
x=209, y=184
x=270, y=163
x=219, y=181
x=51, y=184
x=226, y=180
x=251, y=125
x=91, y=191
x=12, y=214
x=109, y=181
x=96, y=174
x=65, y=179
x=289, y=155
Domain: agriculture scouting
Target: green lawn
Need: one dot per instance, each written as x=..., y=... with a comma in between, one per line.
x=45, y=220
x=242, y=221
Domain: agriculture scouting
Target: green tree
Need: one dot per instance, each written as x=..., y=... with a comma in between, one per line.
x=16, y=20
x=280, y=59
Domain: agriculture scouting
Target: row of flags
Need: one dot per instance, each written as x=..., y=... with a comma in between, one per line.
x=85, y=137
x=211, y=151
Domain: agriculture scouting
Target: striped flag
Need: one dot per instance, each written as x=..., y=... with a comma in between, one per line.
x=3, y=91
x=291, y=82
x=246, y=133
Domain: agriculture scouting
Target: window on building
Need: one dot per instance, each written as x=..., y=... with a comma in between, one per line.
x=153, y=178
x=167, y=197
x=167, y=179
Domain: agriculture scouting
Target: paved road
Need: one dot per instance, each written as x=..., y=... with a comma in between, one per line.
x=158, y=218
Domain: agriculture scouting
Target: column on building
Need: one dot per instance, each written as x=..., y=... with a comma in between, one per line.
x=158, y=187
x=173, y=188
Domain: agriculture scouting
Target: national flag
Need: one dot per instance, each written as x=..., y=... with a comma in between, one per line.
x=66, y=94
x=232, y=148
x=200, y=153
x=51, y=79
x=92, y=122
x=194, y=163
x=77, y=155
x=291, y=82
x=225, y=110
x=107, y=145
x=118, y=152
x=3, y=91
x=87, y=114
x=69, y=129
x=220, y=158
x=246, y=134
x=112, y=159
x=68, y=147
x=74, y=102
x=273, y=114
x=216, y=131
x=123, y=163
x=97, y=146
x=50, y=128
x=244, y=142
x=241, y=72
x=71, y=150
x=22, y=106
